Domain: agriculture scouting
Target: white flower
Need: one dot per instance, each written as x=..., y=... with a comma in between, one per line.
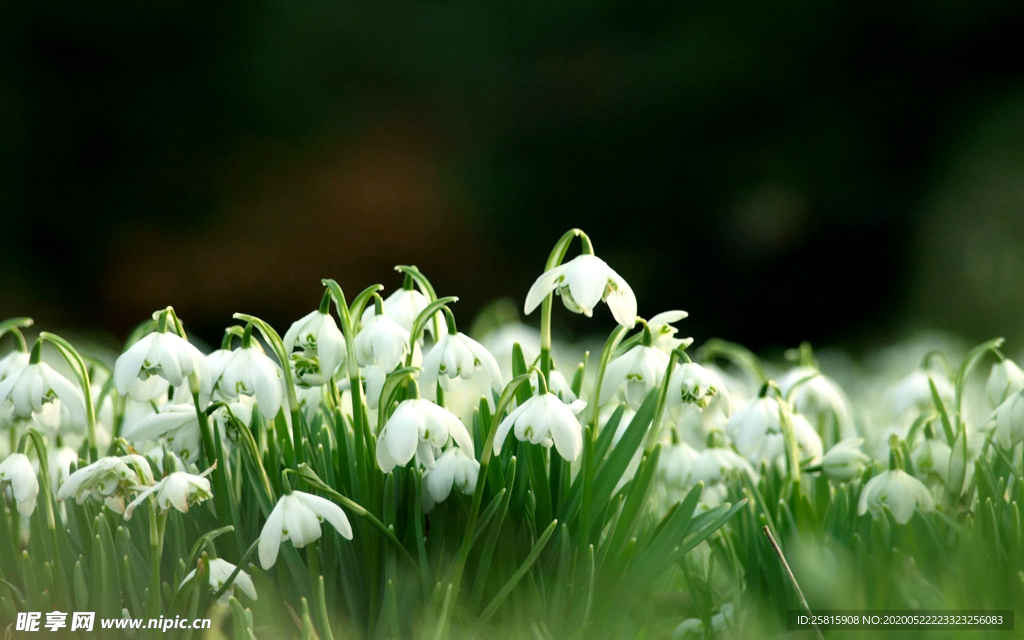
x=715, y=467
x=1005, y=380
x=453, y=468
x=17, y=471
x=1009, y=421
x=321, y=347
x=898, y=491
x=641, y=369
x=914, y=392
x=403, y=305
x=676, y=464
x=108, y=479
x=664, y=333
x=32, y=387
x=582, y=283
x=382, y=342
x=818, y=397
x=177, y=425
x=12, y=362
x=845, y=461
x=545, y=420
x=749, y=428
x=297, y=517
x=162, y=354
x=59, y=461
x=691, y=383
x=557, y=384
x=931, y=459
x=220, y=571
x=418, y=426
x=178, y=490
x=248, y=371
x=458, y=356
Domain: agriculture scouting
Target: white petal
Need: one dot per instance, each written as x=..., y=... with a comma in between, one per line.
x=129, y=364
x=270, y=538
x=542, y=286
x=327, y=510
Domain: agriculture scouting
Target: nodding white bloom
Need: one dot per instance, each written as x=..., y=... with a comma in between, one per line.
x=416, y=428
x=297, y=517
x=220, y=571
x=320, y=344
x=248, y=371
x=557, y=384
x=163, y=355
x=17, y=471
x=676, y=465
x=582, y=283
x=641, y=369
x=1006, y=379
x=34, y=386
x=817, y=397
x=1009, y=421
x=452, y=468
x=176, y=425
x=931, y=459
x=898, y=491
x=456, y=355
x=664, y=333
x=403, y=306
x=108, y=479
x=914, y=392
x=58, y=462
x=12, y=362
x=382, y=342
x=715, y=467
x=749, y=428
x=691, y=383
x=179, y=490
x=545, y=420
x=845, y=461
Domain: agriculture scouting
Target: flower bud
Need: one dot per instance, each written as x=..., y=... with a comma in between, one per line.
x=845, y=461
x=1005, y=380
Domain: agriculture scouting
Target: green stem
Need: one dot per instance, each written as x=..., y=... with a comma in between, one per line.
x=74, y=359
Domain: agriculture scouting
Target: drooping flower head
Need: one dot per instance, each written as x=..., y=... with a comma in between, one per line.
x=692, y=383
x=845, y=461
x=638, y=371
x=453, y=468
x=179, y=490
x=17, y=472
x=457, y=356
x=1005, y=380
x=249, y=371
x=160, y=355
x=31, y=388
x=297, y=517
x=545, y=420
x=416, y=428
x=220, y=571
x=899, y=492
x=583, y=282
x=316, y=347
x=108, y=479
x=665, y=334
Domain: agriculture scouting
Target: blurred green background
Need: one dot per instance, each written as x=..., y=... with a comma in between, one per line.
x=841, y=172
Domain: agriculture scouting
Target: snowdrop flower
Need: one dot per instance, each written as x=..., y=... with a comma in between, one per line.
x=161, y=354
x=845, y=461
x=677, y=464
x=545, y=420
x=456, y=355
x=220, y=571
x=417, y=427
x=453, y=468
x=17, y=471
x=898, y=491
x=403, y=306
x=108, y=479
x=750, y=427
x=59, y=461
x=715, y=467
x=914, y=393
x=321, y=347
x=664, y=333
x=32, y=387
x=12, y=362
x=177, y=425
x=248, y=371
x=641, y=369
x=582, y=283
x=1006, y=379
x=1009, y=421
x=178, y=490
x=691, y=383
x=931, y=459
x=817, y=397
x=297, y=517
x=381, y=347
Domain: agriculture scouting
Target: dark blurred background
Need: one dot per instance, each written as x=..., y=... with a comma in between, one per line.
x=842, y=172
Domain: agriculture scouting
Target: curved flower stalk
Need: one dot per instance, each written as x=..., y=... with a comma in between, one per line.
x=415, y=429
x=897, y=491
x=179, y=490
x=316, y=345
x=17, y=472
x=547, y=421
x=297, y=517
x=453, y=468
x=108, y=479
x=249, y=371
x=220, y=572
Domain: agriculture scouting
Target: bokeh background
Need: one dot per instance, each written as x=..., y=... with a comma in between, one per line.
x=842, y=172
